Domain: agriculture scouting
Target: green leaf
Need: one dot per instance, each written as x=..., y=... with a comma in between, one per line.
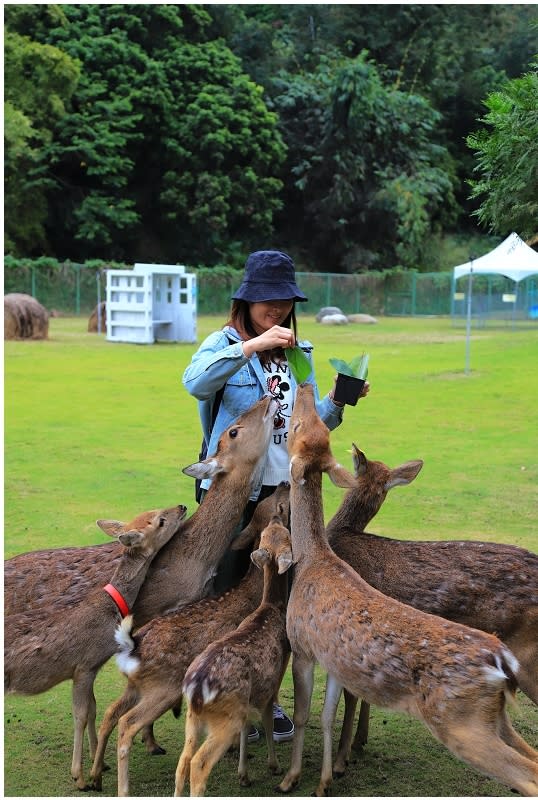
x=356, y=368
x=299, y=363
x=360, y=366
x=341, y=367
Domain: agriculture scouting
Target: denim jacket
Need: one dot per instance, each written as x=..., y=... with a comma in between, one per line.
x=217, y=362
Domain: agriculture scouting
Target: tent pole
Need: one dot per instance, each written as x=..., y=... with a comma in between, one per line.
x=468, y=328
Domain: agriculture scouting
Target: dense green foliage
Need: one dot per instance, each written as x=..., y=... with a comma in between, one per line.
x=508, y=158
x=193, y=133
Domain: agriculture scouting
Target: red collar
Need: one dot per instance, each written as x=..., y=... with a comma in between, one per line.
x=118, y=599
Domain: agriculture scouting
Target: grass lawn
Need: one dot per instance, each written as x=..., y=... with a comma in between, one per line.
x=96, y=429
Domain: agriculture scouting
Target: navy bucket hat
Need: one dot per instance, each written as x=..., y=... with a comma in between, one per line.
x=269, y=275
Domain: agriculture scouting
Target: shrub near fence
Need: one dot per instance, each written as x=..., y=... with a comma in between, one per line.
x=76, y=289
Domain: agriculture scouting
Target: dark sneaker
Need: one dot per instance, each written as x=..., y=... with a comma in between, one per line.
x=253, y=734
x=283, y=727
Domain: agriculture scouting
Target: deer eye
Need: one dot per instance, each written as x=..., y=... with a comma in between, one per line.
x=161, y=522
x=233, y=433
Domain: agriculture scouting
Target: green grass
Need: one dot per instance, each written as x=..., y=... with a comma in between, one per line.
x=95, y=429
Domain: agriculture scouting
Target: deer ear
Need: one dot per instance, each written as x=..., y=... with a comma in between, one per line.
x=260, y=557
x=284, y=561
x=340, y=476
x=404, y=474
x=297, y=469
x=131, y=538
x=112, y=527
x=359, y=461
x=203, y=469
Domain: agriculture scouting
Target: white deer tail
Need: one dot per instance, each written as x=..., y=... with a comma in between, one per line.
x=126, y=660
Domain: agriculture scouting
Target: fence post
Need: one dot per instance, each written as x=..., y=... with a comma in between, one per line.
x=77, y=289
x=413, y=293
x=98, y=276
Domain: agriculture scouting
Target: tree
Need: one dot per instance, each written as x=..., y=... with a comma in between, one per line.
x=39, y=81
x=507, y=159
x=367, y=178
x=169, y=152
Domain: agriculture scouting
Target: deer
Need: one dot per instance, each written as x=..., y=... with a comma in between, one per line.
x=155, y=658
x=44, y=648
x=183, y=571
x=457, y=680
x=239, y=673
x=470, y=582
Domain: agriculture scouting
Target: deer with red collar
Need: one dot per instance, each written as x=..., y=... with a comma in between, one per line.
x=455, y=679
x=43, y=648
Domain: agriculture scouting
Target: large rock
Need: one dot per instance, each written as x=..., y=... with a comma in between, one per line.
x=334, y=319
x=362, y=319
x=24, y=317
x=328, y=311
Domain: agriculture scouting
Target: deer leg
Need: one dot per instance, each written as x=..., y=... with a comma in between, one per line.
x=92, y=714
x=527, y=676
x=81, y=702
x=193, y=731
x=272, y=758
x=211, y=751
x=284, y=668
x=513, y=739
x=242, y=768
x=333, y=691
x=361, y=734
x=111, y=718
x=482, y=747
x=147, y=710
x=346, y=735
x=303, y=683
x=151, y=744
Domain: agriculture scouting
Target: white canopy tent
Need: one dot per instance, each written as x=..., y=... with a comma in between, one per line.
x=512, y=258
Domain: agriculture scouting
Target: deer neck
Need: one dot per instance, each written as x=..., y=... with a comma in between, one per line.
x=275, y=586
x=354, y=514
x=307, y=527
x=129, y=576
x=220, y=513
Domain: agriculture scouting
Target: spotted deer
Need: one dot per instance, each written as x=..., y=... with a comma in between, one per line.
x=493, y=587
x=239, y=673
x=455, y=679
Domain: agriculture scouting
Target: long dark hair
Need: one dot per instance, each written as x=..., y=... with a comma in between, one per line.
x=241, y=320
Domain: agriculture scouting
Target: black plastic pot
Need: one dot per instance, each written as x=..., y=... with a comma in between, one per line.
x=348, y=389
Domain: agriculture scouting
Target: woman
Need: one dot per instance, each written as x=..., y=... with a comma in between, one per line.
x=239, y=365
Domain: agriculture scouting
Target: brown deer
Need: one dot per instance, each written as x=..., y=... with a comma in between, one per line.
x=183, y=571
x=455, y=679
x=470, y=582
x=156, y=658
x=44, y=648
x=239, y=673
